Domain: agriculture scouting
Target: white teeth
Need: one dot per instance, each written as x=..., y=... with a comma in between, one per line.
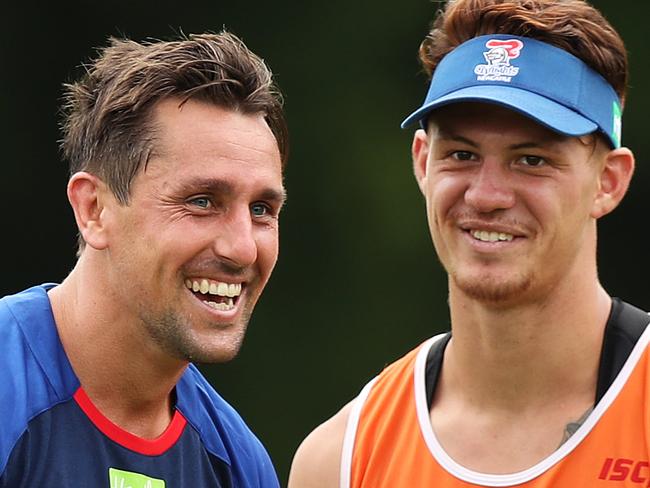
x=214, y=288
x=222, y=289
x=232, y=290
x=485, y=236
x=205, y=286
x=224, y=307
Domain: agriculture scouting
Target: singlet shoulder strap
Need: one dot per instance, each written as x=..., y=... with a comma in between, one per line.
x=434, y=365
x=625, y=325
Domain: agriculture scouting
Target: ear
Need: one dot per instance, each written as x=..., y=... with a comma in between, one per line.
x=420, y=154
x=87, y=195
x=615, y=178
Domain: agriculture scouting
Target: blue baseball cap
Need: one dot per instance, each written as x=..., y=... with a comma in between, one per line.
x=543, y=82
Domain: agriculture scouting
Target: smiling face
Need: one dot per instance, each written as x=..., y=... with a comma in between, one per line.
x=190, y=254
x=511, y=205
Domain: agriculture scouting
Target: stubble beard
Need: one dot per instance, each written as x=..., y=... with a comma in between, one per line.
x=491, y=289
x=174, y=335
x=494, y=288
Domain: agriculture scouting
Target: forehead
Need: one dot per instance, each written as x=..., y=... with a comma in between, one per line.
x=488, y=119
x=197, y=137
x=182, y=125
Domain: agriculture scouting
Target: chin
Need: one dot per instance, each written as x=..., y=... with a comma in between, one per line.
x=211, y=357
x=214, y=348
x=212, y=343
x=492, y=290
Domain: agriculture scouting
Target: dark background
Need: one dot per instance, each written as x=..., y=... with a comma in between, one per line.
x=357, y=283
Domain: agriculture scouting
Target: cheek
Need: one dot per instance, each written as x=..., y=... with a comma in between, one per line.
x=564, y=208
x=268, y=245
x=574, y=197
x=173, y=247
x=443, y=193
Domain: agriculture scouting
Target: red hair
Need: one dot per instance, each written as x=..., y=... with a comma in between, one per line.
x=572, y=25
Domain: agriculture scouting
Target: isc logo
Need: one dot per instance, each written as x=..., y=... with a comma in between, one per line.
x=622, y=469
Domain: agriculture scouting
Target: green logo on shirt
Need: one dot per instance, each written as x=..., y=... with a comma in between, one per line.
x=126, y=479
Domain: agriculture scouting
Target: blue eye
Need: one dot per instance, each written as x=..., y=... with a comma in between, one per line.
x=202, y=202
x=259, y=209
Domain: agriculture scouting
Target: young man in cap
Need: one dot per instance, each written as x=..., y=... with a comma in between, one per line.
x=543, y=379
x=176, y=151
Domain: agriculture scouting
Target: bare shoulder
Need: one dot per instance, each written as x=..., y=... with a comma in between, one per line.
x=317, y=461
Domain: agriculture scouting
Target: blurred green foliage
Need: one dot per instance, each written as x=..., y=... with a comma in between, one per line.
x=357, y=284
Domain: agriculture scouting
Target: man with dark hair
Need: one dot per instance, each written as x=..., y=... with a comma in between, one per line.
x=176, y=150
x=543, y=379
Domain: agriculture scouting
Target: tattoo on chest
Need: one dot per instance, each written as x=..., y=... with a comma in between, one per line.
x=572, y=427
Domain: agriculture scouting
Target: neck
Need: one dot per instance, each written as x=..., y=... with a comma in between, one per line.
x=531, y=354
x=127, y=378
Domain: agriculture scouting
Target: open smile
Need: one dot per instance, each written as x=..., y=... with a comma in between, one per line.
x=490, y=236
x=216, y=294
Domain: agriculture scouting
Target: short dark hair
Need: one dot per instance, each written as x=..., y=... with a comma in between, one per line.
x=572, y=25
x=106, y=123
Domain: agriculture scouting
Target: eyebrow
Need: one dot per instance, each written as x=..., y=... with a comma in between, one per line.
x=217, y=186
x=208, y=185
x=544, y=141
x=448, y=136
x=274, y=195
x=528, y=145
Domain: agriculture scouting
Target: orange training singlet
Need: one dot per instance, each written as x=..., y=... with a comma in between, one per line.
x=389, y=441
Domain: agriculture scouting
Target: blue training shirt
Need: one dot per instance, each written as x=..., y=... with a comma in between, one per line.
x=52, y=435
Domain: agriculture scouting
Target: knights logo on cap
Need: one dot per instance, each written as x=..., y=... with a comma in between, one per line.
x=500, y=53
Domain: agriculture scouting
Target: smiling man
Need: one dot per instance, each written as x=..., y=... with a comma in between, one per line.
x=543, y=379
x=176, y=151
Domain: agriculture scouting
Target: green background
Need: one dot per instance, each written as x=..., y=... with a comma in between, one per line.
x=357, y=283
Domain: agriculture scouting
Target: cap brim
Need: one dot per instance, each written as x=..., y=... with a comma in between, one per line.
x=551, y=114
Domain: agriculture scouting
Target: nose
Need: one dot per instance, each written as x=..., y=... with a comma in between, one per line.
x=235, y=240
x=490, y=188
